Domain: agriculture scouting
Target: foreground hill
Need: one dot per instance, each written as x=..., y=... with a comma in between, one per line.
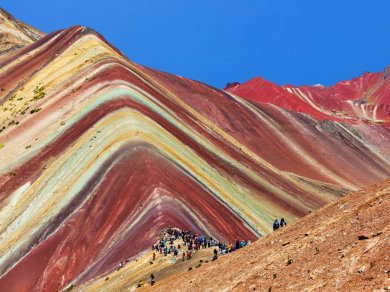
x=344, y=246
x=98, y=154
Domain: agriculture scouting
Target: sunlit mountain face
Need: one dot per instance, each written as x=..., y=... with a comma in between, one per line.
x=98, y=154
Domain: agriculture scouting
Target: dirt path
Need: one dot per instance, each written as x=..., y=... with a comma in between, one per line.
x=127, y=278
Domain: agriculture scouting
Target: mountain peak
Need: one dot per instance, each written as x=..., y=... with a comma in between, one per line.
x=15, y=34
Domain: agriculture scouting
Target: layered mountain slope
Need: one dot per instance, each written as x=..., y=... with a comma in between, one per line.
x=342, y=247
x=98, y=154
x=15, y=35
x=365, y=98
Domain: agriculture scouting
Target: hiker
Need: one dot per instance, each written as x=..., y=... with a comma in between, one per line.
x=140, y=283
x=152, y=281
x=276, y=224
x=184, y=255
x=154, y=255
x=237, y=244
x=282, y=222
x=215, y=257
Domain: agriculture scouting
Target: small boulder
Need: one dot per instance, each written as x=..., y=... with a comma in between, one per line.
x=362, y=237
x=362, y=269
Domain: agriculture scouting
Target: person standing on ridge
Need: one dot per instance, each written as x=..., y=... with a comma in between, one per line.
x=276, y=225
x=282, y=222
x=152, y=281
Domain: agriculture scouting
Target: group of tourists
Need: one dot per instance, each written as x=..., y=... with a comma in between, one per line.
x=191, y=242
x=278, y=224
x=225, y=248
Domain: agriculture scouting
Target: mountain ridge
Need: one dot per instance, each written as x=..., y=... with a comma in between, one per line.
x=84, y=133
x=363, y=98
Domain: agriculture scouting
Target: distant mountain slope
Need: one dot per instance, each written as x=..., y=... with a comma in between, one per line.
x=98, y=154
x=15, y=35
x=365, y=98
x=344, y=246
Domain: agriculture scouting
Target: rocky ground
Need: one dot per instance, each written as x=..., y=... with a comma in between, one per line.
x=344, y=246
x=140, y=268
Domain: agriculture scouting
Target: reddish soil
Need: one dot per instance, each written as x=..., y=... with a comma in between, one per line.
x=344, y=246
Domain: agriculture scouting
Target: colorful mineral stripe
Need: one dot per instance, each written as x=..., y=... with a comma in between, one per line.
x=98, y=154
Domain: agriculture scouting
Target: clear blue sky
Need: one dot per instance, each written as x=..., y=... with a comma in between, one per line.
x=217, y=41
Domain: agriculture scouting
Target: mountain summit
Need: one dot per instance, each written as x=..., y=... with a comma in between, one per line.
x=15, y=35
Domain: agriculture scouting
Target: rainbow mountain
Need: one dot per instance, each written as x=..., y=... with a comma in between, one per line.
x=98, y=154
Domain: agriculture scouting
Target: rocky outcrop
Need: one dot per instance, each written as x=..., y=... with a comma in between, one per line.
x=386, y=73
